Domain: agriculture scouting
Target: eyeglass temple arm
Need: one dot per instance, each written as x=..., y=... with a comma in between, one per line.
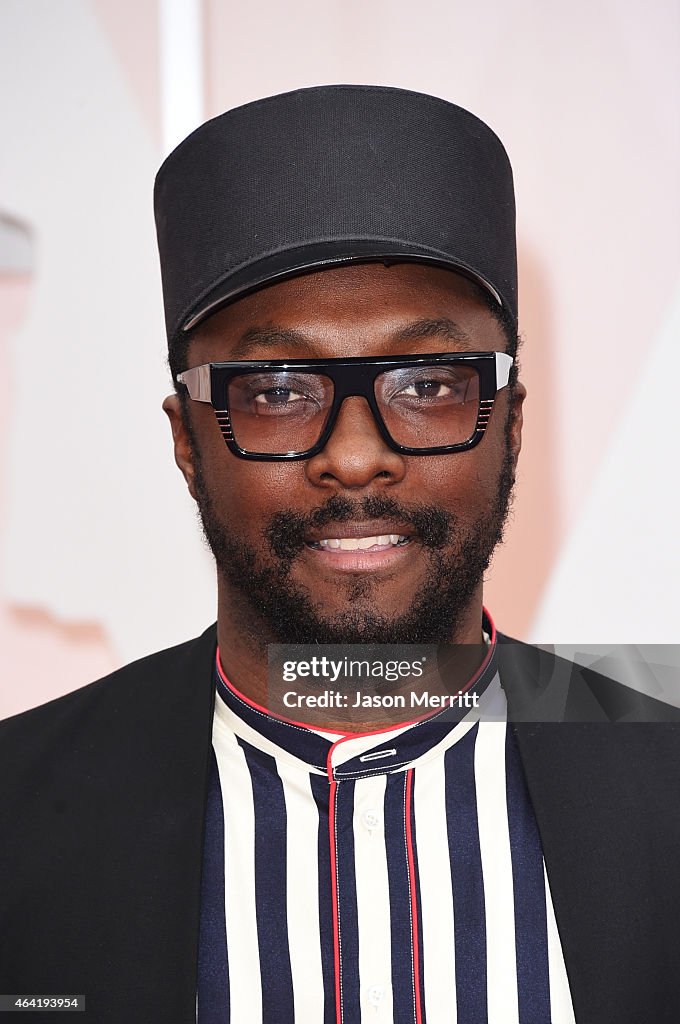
x=197, y=382
x=503, y=366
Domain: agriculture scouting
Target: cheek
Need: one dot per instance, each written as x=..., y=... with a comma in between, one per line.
x=246, y=494
x=464, y=484
x=260, y=490
x=241, y=492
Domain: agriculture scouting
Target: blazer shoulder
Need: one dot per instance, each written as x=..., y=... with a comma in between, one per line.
x=541, y=685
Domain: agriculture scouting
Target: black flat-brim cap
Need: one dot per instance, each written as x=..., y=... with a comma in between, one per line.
x=329, y=175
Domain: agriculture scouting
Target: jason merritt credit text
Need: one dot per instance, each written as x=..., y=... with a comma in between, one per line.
x=337, y=699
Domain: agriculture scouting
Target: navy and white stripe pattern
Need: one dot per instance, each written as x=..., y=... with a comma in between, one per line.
x=339, y=888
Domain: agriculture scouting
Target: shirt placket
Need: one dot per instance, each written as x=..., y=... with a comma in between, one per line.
x=363, y=897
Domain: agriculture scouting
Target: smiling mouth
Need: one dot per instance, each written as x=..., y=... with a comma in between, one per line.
x=378, y=542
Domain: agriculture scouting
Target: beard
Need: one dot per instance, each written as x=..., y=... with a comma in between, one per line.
x=273, y=608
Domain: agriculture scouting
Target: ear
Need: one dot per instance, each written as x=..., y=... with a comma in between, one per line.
x=516, y=420
x=184, y=456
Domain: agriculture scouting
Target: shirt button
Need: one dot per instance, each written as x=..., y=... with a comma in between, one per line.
x=371, y=819
x=376, y=994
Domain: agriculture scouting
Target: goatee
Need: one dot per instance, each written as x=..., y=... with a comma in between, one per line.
x=274, y=609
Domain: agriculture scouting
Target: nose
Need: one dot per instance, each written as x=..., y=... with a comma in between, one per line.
x=355, y=454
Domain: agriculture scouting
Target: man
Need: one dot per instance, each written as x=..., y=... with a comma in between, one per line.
x=340, y=291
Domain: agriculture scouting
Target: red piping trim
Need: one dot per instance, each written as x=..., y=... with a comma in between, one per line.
x=412, y=894
x=258, y=707
x=353, y=735
x=334, y=887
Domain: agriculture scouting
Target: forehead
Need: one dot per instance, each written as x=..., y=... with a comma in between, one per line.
x=362, y=309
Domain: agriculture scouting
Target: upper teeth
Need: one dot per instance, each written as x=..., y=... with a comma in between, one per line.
x=357, y=543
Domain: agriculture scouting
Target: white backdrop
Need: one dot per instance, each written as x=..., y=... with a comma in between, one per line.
x=97, y=527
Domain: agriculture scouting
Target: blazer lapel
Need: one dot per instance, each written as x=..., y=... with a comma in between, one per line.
x=603, y=816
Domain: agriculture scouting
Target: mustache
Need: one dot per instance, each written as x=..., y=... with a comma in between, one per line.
x=287, y=529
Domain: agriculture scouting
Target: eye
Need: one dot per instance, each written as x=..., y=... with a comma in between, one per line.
x=427, y=389
x=434, y=386
x=278, y=396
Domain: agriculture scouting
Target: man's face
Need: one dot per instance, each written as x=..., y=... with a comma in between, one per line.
x=264, y=520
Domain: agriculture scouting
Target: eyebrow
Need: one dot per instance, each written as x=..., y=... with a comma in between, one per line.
x=441, y=327
x=264, y=337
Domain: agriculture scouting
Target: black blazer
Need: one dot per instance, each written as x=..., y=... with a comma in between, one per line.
x=102, y=802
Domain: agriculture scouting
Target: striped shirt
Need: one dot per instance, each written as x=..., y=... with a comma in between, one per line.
x=392, y=878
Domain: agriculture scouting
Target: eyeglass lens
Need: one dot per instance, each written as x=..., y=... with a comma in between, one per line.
x=276, y=412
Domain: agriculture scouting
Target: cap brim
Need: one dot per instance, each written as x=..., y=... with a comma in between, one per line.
x=320, y=256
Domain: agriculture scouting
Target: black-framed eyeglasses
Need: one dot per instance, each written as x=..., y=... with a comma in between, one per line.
x=286, y=409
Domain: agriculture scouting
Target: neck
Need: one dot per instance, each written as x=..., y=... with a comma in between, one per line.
x=244, y=658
